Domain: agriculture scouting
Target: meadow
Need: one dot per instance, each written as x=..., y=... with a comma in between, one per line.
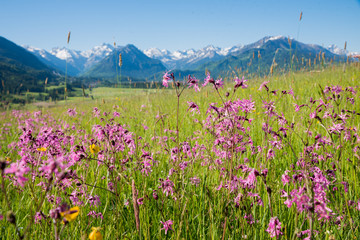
x=275, y=157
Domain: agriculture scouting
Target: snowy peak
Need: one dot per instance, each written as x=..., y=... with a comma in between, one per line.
x=96, y=54
x=273, y=38
x=78, y=61
x=190, y=58
x=64, y=53
x=38, y=52
x=340, y=51
x=100, y=51
x=335, y=49
x=156, y=53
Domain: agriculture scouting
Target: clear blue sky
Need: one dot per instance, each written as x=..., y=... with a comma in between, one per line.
x=180, y=24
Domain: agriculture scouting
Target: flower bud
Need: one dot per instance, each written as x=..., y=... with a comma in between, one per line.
x=155, y=195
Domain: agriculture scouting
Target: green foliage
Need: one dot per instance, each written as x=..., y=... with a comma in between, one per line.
x=200, y=212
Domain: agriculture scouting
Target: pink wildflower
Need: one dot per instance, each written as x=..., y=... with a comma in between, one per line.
x=193, y=82
x=166, y=79
x=274, y=228
x=167, y=225
x=193, y=107
x=240, y=83
x=264, y=85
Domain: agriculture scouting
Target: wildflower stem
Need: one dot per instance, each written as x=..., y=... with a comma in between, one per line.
x=224, y=229
x=136, y=206
x=181, y=220
x=94, y=186
x=28, y=227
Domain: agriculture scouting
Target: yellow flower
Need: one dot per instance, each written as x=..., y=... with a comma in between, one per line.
x=95, y=234
x=71, y=214
x=41, y=149
x=8, y=159
x=94, y=149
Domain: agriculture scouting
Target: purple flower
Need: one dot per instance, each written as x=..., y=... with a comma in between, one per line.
x=96, y=112
x=167, y=225
x=183, y=165
x=313, y=114
x=140, y=201
x=297, y=108
x=269, y=107
x=167, y=187
x=94, y=200
x=39, y=216
x=166, y=79
x=346, y=186
x=271, y=153
x=336, y=128
x=285, y=178
x=19, y=170
x=155, y=195
x=249, y=219
x=240, y=83
x=274, y=228
x=245, y=105
x=303, y=233
x=208, y=80
x=291, y=92
x=195, y=181
x=72, y=112
x=219, y=83
x=193, y=107
x=264, y=85
x=336, y=90
x=250, y=181
x=193, y=82
x=95, y=215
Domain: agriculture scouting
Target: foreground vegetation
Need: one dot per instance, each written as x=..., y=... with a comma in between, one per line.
x=276, y=157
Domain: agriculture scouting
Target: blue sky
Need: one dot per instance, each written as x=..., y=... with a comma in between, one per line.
x=180, y=24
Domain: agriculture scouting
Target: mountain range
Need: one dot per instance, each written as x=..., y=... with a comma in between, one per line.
x=29, y=64
x=77, y=61
x=135, y=64
x=279, y=53
x=101, y=61
x=190, y=59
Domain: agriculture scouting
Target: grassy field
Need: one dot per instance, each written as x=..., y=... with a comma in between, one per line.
x=275, y=157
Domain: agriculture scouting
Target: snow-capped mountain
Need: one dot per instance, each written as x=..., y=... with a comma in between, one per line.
x=340, y=51
x=77, y=61
x=190, y=59
x=335, y=49
x=96, y=54
x=135, y=64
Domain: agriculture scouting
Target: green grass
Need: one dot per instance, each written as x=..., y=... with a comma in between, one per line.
x=199, y=212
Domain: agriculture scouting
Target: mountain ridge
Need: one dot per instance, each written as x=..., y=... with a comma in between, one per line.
x=20, y=70
x=134, y=64
x=190, y=59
